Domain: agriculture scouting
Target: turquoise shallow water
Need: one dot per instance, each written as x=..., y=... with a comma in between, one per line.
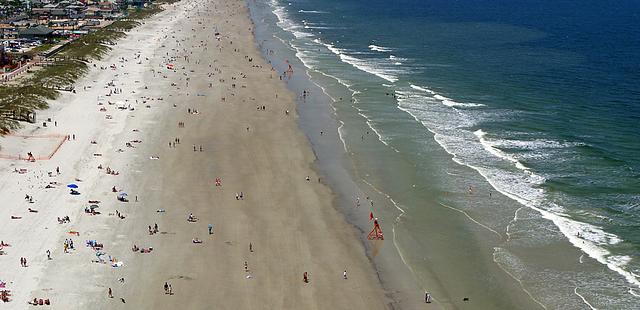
x=520, y=119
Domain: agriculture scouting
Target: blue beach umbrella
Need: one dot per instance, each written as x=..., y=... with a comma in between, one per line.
x=72, y=185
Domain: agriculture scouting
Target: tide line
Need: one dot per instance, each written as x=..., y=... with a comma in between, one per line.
x=472, y=219
x=575, y=291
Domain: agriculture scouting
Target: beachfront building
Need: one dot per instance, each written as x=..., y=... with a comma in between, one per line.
x=39, y=32
x=8, y=32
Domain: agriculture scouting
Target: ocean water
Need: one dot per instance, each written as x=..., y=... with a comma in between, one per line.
x=517, y=123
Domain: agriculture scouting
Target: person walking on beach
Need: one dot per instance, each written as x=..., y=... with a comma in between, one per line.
x=210, y=229
x=110, y=293
x=166, y=288
x=305, y=277
x=344, y=274
x=48, y=255
x=427, y=297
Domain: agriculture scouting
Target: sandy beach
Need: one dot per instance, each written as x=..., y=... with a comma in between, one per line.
x=202, y=136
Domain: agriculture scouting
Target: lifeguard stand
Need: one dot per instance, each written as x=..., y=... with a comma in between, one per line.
x=376, y=233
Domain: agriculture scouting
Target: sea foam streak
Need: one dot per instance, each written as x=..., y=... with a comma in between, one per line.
x=372, y=66
x=489, y=146
x=310, y=62
x=377, y=48
x=363, y=65
x=287, y=24
x=449, y=102
x=426, y=90
x=475, y=150
x=312, y=12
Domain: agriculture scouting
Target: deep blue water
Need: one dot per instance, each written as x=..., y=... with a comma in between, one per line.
x=541, y=98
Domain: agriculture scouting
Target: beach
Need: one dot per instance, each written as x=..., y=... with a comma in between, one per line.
x=201, y=139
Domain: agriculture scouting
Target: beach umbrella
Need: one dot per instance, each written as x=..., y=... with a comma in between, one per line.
x=72, y=185
x=93, y=207
x=122, y=195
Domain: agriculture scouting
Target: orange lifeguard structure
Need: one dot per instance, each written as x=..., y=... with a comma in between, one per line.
x=289, y=72
x=376, y=232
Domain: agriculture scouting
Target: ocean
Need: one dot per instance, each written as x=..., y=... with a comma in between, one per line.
x=503, y=136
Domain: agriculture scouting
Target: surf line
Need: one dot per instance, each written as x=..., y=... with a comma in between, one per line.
x=396, y=245
x=575, y=290
x=513, y=221
x=495, y=249
x=471, y=219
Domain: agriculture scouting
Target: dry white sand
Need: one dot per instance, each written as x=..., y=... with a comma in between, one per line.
x=290, y=222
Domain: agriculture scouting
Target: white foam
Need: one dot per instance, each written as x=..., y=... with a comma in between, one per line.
x=451, y=131
x=381, y=138
x=575, y=291
x=361, y=64
x=308, y=25
x=344, y=143
x=535, y=144
x=518, y=187
x=515, y=219
x=592, y=238
x=369, y=67
x=306, y=60
x=445, y=100
x=450, y=103
x=311, y=26
x=426, y=90
x=312, y=12
x=301, y=34
x=377, y=48
x=343, y=82
x=287, y=24
x=489, y=146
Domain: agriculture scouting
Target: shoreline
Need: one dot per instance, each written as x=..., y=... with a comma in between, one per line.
x=447, y=285
x=291, y=216
x=334, y=165
x=334, y=161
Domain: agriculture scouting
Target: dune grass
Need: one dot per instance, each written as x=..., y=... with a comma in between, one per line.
x=33, y=92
